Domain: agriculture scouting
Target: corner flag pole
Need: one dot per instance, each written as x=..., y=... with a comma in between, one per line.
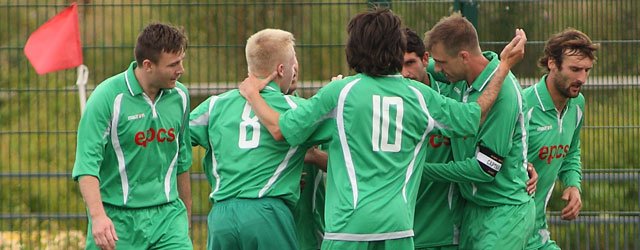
x=83, y=76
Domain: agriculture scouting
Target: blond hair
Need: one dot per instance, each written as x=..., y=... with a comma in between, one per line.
x=268, y=48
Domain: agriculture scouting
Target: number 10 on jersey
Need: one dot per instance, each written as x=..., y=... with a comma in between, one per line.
x=383, y=107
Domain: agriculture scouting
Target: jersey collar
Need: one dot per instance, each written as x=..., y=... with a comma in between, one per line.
x=272, y=87
x=542, y=94
x=130, y=79
x=433, y=84
x=487, y=73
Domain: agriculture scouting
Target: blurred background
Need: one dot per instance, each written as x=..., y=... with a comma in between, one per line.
x=41, y=206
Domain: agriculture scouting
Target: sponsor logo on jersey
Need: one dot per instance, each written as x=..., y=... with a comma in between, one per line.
x=437, y=141
x=544, y=128
x=161, y=135
x=135, y=117
x=549, y=153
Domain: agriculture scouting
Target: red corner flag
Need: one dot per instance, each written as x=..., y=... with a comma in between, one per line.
x=56, y=44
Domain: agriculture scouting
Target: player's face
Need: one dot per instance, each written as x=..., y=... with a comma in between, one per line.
x=289, y=73
x=451, y=66
x=414, y=66
x=168, y=69
x=294, y=82
x=571, y=75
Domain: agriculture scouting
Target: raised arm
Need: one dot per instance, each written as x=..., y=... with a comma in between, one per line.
x=510, y=56
x=250, y=90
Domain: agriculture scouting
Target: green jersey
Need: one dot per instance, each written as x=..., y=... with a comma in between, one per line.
x=242, y=160
x=554, y=147
x=501, y=143
x=379, y=126
x=134, y=146
x=309, y=212
x=437, y=218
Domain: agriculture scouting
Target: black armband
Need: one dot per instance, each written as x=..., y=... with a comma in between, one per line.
x=489, y=161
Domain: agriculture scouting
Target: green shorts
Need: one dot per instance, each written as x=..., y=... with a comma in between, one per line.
x=500, y=227
x=159, y=227
x=448, y=247
x=540, y=241
x=402, y=243
x=264, y=223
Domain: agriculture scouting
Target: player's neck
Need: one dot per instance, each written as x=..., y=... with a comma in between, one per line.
x=558, y=99
x=145, y=84
x=476, y=65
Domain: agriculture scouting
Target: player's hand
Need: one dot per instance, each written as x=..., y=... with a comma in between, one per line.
x=252, y=84
x=303, y=182
x=574, y=203
x=533, y=179
x=338, y=77
x=104, y=233
x=514, y=51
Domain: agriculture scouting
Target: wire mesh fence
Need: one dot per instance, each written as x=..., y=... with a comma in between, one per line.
x=41, y=207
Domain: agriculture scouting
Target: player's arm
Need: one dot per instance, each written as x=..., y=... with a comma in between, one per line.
x=571, y=176
x=184, y=192
x=295, y=125
x=250, y=90
x=510, y=56
x=317, y=157
x=468, y=170
x=104, y=233
x=185, y=158
x=199, y=122
x=93, y=136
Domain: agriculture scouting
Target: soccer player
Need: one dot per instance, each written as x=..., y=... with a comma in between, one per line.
x=439, y=204
x=437, y=217
x=379, y=121
x=555, y=109
x=498, y=214
x=255, y=180
x=134, y=151
x=308, y=213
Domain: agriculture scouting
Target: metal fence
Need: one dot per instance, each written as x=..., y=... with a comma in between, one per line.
x=41, y=207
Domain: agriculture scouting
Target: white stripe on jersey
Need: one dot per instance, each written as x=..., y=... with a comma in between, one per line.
x=291, y=103
x=523, y=122
x=126, y=79
x=118, y=149
x=316, y=185
x=430, y=124
x=348, y=161
x=579, y=112
x=279, y=170
x=214, y=162
x=167, y=177
x=368, y=237
x=548, y=196
x=284, y=162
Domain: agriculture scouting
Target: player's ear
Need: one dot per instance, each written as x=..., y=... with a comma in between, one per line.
x=280, y=70
x=551, y=64
x=425, y=59
x=464, y=55
x=146, y=64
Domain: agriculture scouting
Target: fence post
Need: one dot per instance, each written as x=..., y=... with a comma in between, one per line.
x=468, y=9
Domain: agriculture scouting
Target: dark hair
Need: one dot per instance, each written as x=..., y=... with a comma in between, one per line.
x=414, y=42
x=454, y=31
x=570, y=42
x=157, y=38
x=376, y=43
